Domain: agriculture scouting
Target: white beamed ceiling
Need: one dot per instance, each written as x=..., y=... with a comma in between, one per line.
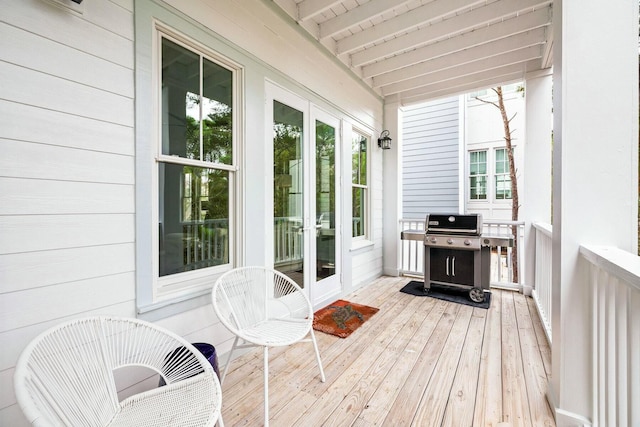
x=416, y=50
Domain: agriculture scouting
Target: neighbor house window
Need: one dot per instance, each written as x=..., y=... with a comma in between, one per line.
x=195, y=160
x=359, y=186
x=502, y=176
x=478, y=175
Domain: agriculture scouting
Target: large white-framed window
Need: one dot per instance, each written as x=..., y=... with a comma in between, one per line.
x=489, y=177
x=198, y=116
x=360, y=144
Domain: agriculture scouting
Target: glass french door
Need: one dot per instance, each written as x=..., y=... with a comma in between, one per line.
x=326, y=171
x=306, y=232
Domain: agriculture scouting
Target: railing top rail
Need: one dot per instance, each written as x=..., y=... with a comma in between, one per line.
x=543, y=227
x=615, y=261
x=501, y=222
x=485, y=221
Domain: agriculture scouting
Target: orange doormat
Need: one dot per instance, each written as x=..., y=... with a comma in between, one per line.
x=341, y=318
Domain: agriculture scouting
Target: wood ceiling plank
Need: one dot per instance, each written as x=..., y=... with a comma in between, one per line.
x=419, y=16
x=468, y=83
x=307, y=9
x=468, y=40
x=491, y=63
x=460, y=23
x=477, y=53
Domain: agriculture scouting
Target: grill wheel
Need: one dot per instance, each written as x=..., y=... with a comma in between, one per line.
x=476, y=295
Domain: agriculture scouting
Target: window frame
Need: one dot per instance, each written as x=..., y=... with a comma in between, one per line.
x=366, y=237
x=195, y=282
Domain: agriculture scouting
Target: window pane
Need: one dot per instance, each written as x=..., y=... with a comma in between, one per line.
x=288, y=185
x=363, y=161
x=194, y=218
x=503, y=187
x=325, y=200
x=502, y=163
x=358, y=218
x=180, y=101
x=478, y=187
x=217, y=87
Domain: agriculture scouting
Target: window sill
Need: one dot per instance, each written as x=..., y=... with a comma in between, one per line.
x=361, y=245
x=171, y=307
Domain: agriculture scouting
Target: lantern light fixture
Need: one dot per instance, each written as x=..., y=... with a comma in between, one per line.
x=384, y=141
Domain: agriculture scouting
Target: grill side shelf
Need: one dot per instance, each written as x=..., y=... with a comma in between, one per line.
x=416, y=235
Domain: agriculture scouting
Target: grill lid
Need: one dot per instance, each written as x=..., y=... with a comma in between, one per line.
x=470, y=225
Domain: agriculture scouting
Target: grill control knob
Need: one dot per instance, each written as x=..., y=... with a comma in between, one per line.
x=467, y=242
x=450, y=241
x=434, y=240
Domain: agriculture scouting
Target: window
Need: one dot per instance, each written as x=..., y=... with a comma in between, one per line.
x=359, y=187
x=502, y=176
x=195, y=161
x=478, y=175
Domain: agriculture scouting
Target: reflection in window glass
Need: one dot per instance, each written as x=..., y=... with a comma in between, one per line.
x=360, y=190
x=288, y=182
x=194, y=201
x=216, y=113
x=194, y=218
x=325, y=200
x=194, y=123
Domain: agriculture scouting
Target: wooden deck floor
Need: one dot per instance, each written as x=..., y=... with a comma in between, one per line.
x=419, y=361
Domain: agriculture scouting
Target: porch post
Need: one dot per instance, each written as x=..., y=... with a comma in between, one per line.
x=392, y=190
x=595, y=176
x=536, y=205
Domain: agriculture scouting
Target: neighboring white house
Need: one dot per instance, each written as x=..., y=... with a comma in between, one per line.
x=454, y=155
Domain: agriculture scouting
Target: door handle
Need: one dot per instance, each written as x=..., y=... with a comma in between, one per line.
x=453, y=266
x=446, y=264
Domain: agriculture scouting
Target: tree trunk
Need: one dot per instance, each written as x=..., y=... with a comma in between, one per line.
x=515, y=204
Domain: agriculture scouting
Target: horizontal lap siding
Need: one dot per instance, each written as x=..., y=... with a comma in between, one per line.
x=430, y=179
x=66, y=171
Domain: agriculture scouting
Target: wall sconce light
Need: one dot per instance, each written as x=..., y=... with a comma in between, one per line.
x=384, y=141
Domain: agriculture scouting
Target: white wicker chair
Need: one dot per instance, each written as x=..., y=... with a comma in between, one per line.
x=263, y=307
x=64, y=377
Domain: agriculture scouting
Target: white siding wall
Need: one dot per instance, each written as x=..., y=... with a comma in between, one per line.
x=430, y=163
x=66, y=171
x=68, y=183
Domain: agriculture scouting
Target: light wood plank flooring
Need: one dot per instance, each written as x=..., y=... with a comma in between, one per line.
x=419, y=361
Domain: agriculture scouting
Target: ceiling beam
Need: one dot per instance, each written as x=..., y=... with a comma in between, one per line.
x=429, y=12
x=471, y=82
x=467, y=40
x=460, y=57
x=547, y=53
x=357, y=15
x=449, y=91
x=474, y=19
x=486, y=64
x=307, y=9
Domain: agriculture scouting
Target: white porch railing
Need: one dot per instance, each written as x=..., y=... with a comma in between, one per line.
x=614, y=283
x=412, y=252
x=542, y=283
x=502, y=268
x=287, y=240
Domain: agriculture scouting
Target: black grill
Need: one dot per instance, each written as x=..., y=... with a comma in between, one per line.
x=456, y=253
